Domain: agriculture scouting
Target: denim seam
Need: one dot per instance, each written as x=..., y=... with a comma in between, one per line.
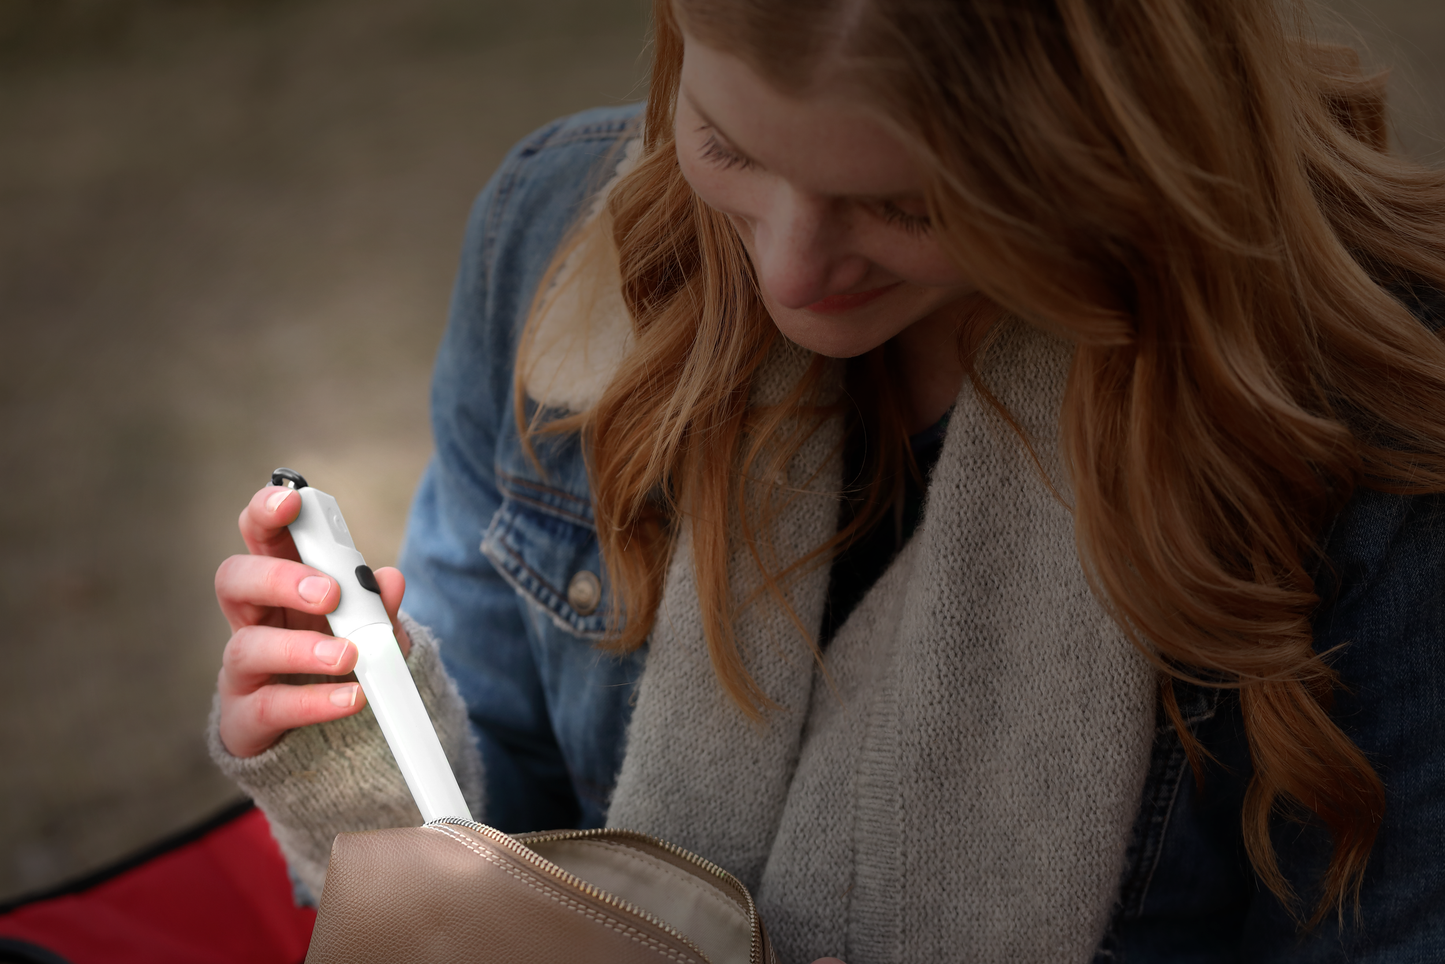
x=495, y=211
x=542, y=487
x=559, y=135
x=1159, y=827
x=507, y=177
x=513, y=173
x=546, y=139
x=1161, y=809
x=509, y=484
x=549, y=509
x=583, y=135
x=512, y=566
x=556, y=602
x=551, y=605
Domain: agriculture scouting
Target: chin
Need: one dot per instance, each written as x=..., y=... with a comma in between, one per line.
x=832, y=337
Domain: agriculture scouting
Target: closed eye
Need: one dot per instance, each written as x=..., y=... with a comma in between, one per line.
x=719, y=155
x=914, y=224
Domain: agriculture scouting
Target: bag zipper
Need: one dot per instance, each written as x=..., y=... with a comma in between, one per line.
x=755, y=951
x=519, y=849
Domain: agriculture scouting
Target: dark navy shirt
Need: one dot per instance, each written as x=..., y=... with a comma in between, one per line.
x=863, y=561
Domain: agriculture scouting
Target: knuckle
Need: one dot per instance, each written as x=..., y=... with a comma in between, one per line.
x=294, y=650
x=238, y=649
x=225, y=572
x=266, y=709
x=231, y=656
x=276, y=582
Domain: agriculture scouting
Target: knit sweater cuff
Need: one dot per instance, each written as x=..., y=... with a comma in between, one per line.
x=318, y=781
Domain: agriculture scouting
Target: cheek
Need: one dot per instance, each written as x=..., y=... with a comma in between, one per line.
x=920, y=260
x=728, y=191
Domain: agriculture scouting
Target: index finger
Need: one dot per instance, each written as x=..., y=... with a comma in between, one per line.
x=264, y=520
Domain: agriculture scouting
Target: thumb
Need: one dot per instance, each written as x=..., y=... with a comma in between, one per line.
x=393, y=586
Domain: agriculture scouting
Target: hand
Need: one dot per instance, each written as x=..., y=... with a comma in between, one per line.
x=277, y=610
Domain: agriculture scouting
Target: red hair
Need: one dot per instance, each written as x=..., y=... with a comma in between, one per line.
x=1197, y=195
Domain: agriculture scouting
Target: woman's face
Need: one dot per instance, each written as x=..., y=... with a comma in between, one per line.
x=828, y=203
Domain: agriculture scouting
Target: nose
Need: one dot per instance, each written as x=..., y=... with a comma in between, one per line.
x=803, y=250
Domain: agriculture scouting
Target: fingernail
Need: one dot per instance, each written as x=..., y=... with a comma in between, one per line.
x=313, y=589
x=344, y=695
x=329, y=651
x=273, y=502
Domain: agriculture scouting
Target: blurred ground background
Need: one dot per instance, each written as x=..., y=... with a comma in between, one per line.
x=227, y=233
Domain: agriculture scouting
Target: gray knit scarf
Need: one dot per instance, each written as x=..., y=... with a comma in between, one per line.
x=961, y=783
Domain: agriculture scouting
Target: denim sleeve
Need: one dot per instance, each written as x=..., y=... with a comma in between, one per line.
x=1384, y=606
x=1190, y=894
x=515, y=225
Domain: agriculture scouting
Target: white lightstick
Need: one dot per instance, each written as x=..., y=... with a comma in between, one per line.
x=324, y=543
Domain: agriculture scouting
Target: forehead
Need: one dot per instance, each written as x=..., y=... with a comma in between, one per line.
x=820, y=141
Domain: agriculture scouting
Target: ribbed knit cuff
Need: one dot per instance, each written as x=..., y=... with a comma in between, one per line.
x=318, y=781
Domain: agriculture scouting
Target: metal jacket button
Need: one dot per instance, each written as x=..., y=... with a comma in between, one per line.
x=584, y=592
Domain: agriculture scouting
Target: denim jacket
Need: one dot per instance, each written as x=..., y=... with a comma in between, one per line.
x=502, y=561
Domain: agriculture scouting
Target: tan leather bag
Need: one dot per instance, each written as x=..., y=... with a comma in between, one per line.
x=454, y=891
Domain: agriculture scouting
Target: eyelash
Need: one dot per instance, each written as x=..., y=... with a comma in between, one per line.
x=724, y=159
x=914, y=224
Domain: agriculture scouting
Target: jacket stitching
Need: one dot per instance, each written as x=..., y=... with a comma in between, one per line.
x=559, y=135
x=1159, y=824
x=550, y=509
x=552, y=136
x=558, y=596
x=1160, y=806
x=509, y=481
x=522, y=564
x=582, y=136
x=504, y=558
x=540, y=487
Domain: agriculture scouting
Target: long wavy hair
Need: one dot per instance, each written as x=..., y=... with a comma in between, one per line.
x=1198, y=195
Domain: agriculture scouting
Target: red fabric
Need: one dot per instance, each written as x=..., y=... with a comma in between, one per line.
x=222, y=899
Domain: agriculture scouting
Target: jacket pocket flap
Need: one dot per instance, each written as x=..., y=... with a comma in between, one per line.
x=553, y=561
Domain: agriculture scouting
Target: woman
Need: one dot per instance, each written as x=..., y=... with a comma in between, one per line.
x=1133, y=293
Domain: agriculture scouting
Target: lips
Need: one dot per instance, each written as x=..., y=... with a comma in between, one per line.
x=837, y=304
